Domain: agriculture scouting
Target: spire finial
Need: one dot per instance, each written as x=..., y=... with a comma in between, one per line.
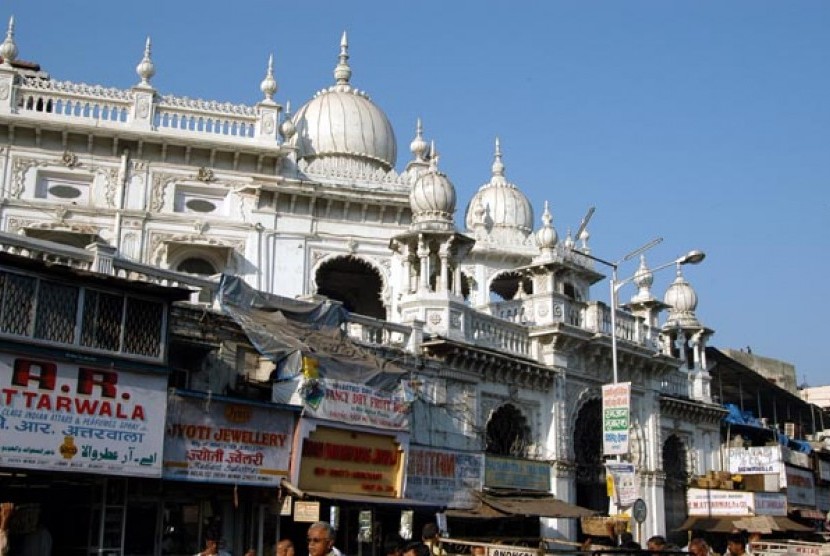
x=498, y=165
x=433, y=161
x=145, y=68
x=547, y=219
x=287, y=128
x=8, y=50
x=418, y=147
x=269, y=84
x=342, y=73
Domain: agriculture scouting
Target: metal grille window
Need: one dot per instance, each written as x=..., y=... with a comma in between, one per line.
x=103, y=314
x=57, y=307
x=142, y=327
x=55, y=312
x=18, y=299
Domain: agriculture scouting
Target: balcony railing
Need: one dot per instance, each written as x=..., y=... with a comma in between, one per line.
x=115, y=108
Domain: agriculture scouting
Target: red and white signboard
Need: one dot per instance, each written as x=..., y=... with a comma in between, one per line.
x=702, y=501
x=69, y=417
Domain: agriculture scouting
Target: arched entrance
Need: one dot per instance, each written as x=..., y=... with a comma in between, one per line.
x=590, y=471
x=353, y=282
x=677, y=475
x=508, y=433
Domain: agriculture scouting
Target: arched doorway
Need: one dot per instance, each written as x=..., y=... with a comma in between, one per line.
x=507, y=433
x=199, y=267
x=590, y=471
x=354, y=283
x=677, y=476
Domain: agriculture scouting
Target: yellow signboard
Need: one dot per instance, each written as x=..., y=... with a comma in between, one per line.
x=335, y=460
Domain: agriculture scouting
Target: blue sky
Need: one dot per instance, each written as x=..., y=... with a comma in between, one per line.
x=703, y=122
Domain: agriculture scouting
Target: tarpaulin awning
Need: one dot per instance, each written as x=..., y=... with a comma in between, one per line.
x=757, y=524
x=366, y=499
x=521, y=504
x=811, y=513
x=284, y=330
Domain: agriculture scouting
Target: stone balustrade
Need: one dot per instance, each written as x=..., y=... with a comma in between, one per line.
x=489, y=331
x=381, y=333
x=99, y=257
x=123, y=109
x=630, y=328
x=676, y=383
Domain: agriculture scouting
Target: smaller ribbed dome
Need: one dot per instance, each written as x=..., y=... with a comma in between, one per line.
x=432, y=199
x=508, y=211
x=682, y=299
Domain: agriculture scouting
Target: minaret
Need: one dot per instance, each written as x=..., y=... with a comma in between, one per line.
x=432, y=250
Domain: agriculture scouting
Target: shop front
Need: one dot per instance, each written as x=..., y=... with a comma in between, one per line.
x=80, y=442
x=352, y=477
x=224, y=461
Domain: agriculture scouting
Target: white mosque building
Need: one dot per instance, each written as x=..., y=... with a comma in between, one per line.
x=318, y=202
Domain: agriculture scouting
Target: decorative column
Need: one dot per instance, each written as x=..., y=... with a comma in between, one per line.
x=267, y=110
x=144, y=95
x=8, y=50
x=423, y=256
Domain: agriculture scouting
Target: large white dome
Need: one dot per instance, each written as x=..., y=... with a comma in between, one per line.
x=506, y=209
x=343, y=122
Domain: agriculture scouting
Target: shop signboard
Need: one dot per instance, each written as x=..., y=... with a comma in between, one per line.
x=525, y=474
x=755, y=460
x=625, y=483
x=70, y=417
x=616, y=412
x=770, y=503
x=444, y=477
x=801, y=486
x=346, y=402
x=794, y=457
x=211, y=441
x=344, y=461
x=823, y=498
x=824, y=469
x=707, y=502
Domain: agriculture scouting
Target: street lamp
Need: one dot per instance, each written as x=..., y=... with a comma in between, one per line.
x=692, y=257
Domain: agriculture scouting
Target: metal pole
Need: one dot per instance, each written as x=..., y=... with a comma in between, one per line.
x=614, y=321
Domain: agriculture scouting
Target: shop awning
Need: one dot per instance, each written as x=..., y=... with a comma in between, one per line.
x=372, y=500
x=811, y=513
x=753, y=524
x=521, y=504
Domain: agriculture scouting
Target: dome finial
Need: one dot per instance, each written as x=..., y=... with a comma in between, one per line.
x=643, y=279
x=145, y=68
x=342, y=73
x=269, y=84
x=8, y=50
x=498, y=165
x=287, y=127
x=418, y=146
x=547, y=236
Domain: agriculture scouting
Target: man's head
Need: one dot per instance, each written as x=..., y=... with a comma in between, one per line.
x=429, y=532
x=320, y=539
x=656, y=543
x=478, y=550
x=285, y=548
x=736, y=545
x=698, y=547
x=393, y=545
x=212, y=545
x=416, y=549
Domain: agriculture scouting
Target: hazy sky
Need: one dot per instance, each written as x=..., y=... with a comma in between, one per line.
x=703, y=122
